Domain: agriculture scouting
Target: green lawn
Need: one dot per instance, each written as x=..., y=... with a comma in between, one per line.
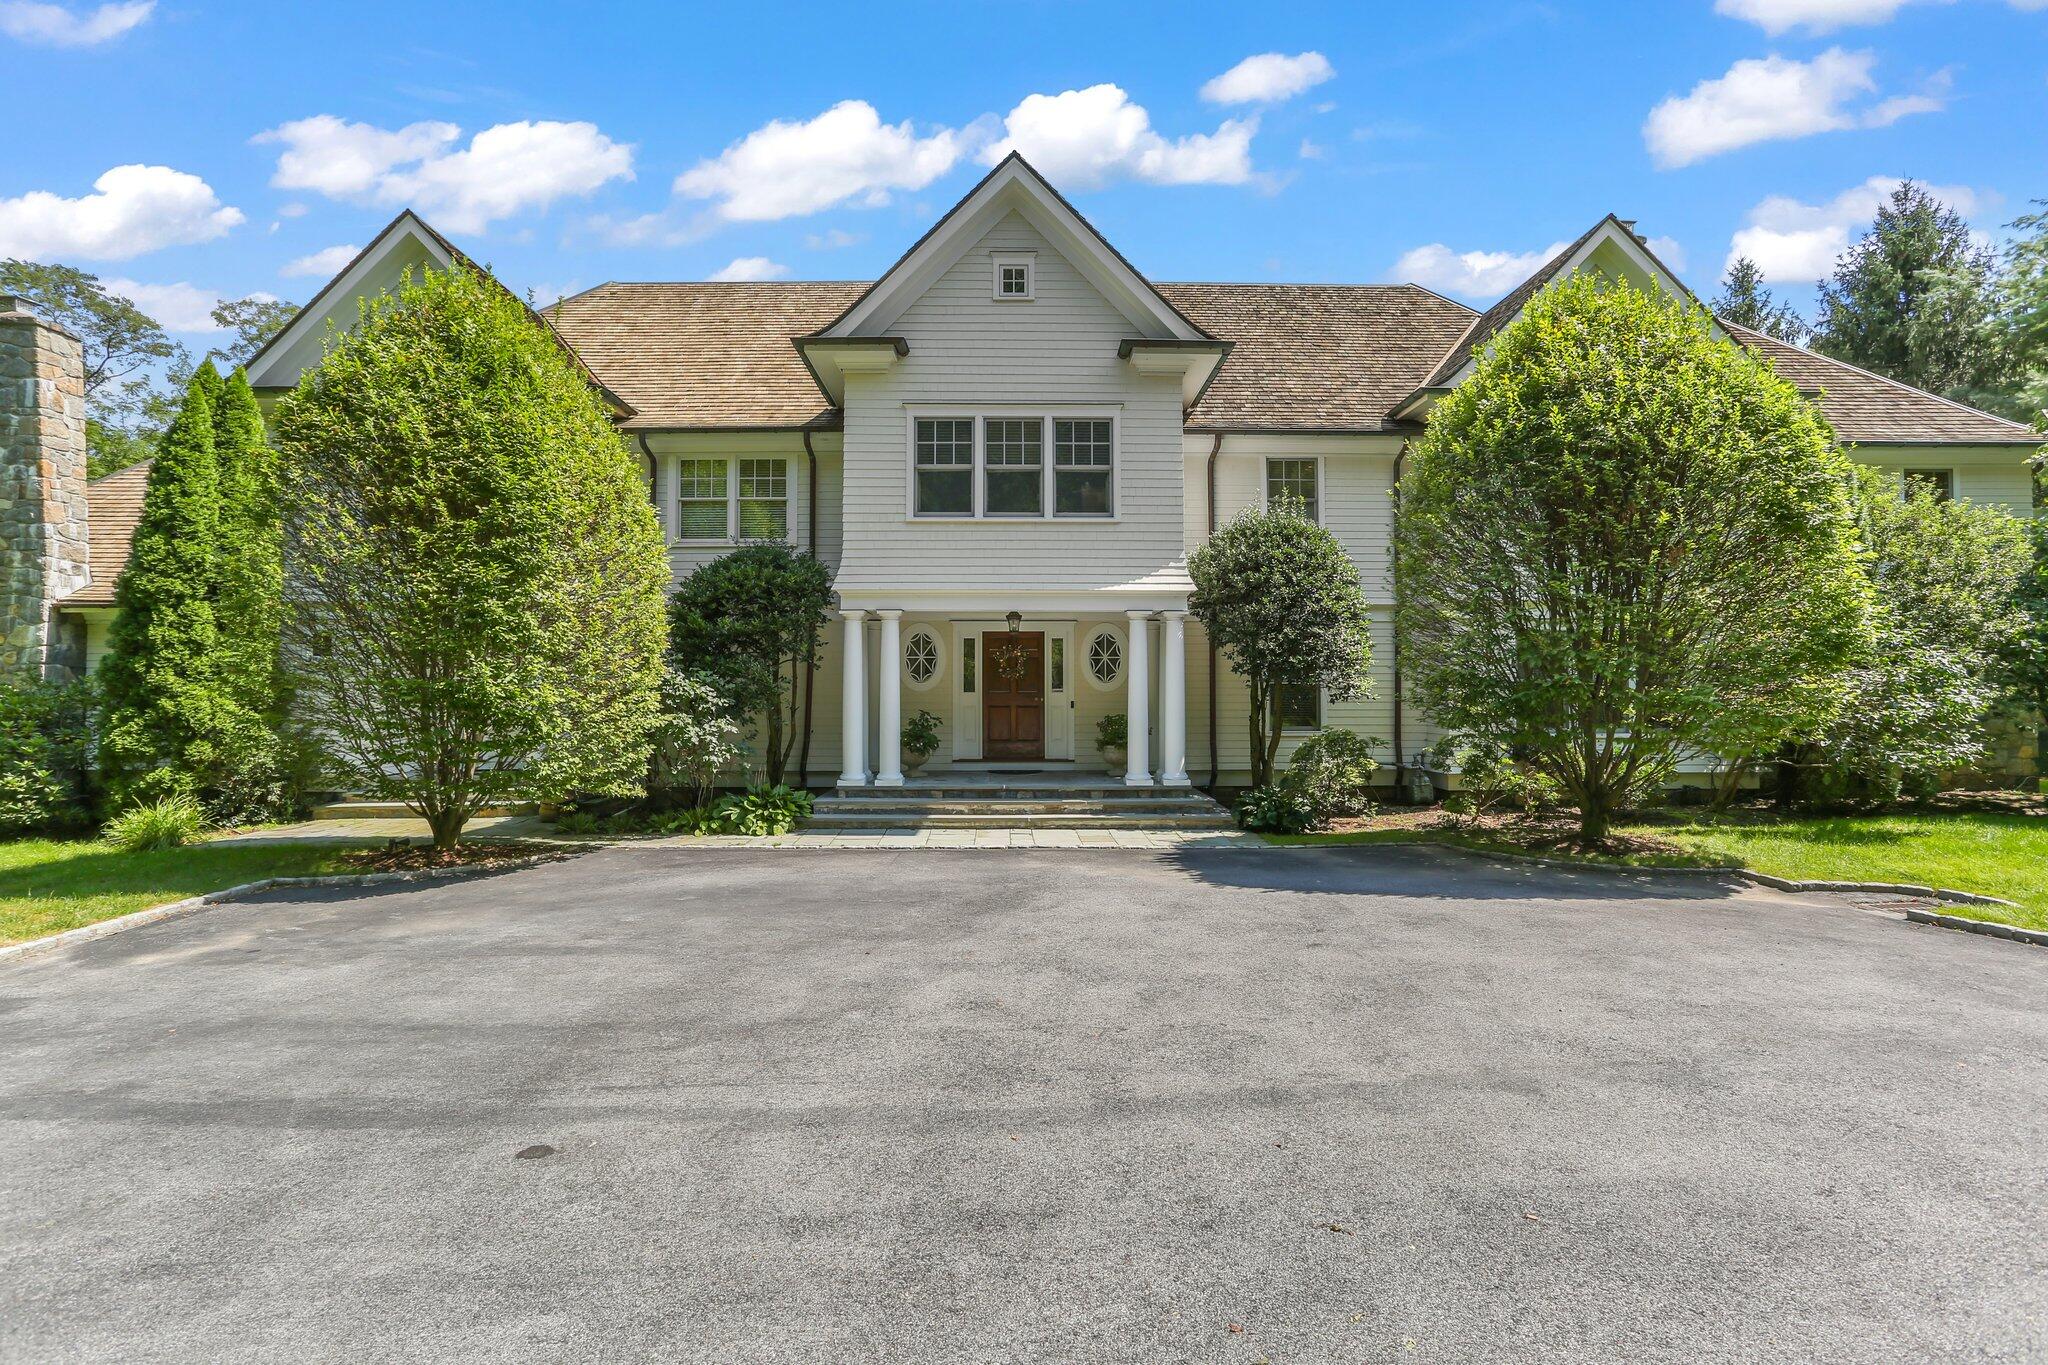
x=1992, y=855
x=50, y=885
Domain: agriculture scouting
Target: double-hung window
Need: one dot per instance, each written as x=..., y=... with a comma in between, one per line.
x=1010, y=465
x=1082, y=459
x=1014, y=464
x=1294, y=479
x=1298, y=706
x=945, y=466
x=725, y=498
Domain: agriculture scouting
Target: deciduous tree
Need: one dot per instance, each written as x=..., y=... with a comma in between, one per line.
x=1279, y=596
x=474, y=611
x=1624, y=541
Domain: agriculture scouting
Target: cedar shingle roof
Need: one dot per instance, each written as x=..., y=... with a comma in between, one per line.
x=1315, y=356
x=1862, y=406
x=1487, y=324
x=113, y=506
x=706, y=355
x=1306, y=357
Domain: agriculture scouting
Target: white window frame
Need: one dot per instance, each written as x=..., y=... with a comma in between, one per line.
x=939, y=642
x=1086, y=657
x=672, y=512
x=981, y=415
x=998, y=260
x=1266, y=482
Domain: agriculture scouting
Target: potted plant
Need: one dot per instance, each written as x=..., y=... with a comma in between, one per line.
x=1112, y=737
x=920, y=740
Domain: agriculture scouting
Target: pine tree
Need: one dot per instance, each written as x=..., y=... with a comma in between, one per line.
x=1913, y=298
x=161, y=714
x=1745, y=302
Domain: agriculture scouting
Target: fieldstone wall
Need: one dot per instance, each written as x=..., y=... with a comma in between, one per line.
x=42, y=494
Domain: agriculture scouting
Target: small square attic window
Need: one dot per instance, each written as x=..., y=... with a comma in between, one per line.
x=1013, y=278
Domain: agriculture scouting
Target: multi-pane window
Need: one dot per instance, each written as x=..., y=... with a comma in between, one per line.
x=945, y=466
x=1293, y=479
x=763, y=499
x=1941, y=483
x=701, y=502
x=1013, y=277
x=1299, y=707
x=1014, y=460
x=920, y=657
x=1081, y=466
x=1105, y=658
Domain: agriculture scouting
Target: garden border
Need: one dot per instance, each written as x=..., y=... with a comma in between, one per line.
x=135, y=919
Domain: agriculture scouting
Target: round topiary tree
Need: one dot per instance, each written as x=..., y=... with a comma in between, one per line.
x=1281, y=598
x=1622, y=541
x=475, y=574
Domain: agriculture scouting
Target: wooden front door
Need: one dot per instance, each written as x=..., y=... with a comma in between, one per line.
x=1013, y=694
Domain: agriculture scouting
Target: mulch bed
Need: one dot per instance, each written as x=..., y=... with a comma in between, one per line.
x=1545, y=832
x=402, y=855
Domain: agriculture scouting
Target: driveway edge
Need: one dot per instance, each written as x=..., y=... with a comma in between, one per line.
x=137, y=918
x=2037, y=937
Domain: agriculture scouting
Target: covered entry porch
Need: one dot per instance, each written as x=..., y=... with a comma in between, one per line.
x=1018, y=686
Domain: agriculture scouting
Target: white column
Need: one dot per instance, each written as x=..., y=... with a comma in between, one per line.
x=1173, y=700
x=1137, y=706
x=853, y=703
x=889, y=703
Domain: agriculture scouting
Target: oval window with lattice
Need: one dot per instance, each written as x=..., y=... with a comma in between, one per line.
x=920, y=658
x=1105, y=658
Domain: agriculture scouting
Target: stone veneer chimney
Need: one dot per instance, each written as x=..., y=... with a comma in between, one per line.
x=42, y=494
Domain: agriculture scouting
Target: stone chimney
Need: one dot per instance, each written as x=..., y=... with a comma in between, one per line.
x=42, y=494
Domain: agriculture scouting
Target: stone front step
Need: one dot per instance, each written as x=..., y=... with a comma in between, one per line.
x=983, y=805
x=883, y=820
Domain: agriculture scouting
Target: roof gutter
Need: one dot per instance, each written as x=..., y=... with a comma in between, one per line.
x=1215, y=449
x=803, y=759
x=1394, y=563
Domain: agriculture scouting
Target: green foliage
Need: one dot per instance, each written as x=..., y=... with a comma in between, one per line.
x=2023, y=321
x=921, y=735
x=2025, y=652
x=123, y=347
x=1275, y=809
x=695, y=739
x=751, y=620
x=166, y=722
x=477, y=576
x=1912, y=299
x=1491, y=778
x=254, y=321
x=168, y=822
x=1944, y=616
x=1332, y=772
x=45, y=755
x=1747, y=303
x=1623, y=540
x=1113, y=732
x=1278, y=594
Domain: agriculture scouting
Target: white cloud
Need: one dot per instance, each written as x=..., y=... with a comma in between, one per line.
x=56, y=26
x=1763, y=99
x=1670, y=251
x=1268, y=78
x=132, y=210
x=1081, y=139
x=1794, y=241
x=179, y=307
x=1311, y=151
x=1473, y=274
x=844, y=155
x=292, y=210
x=505, y=170
x=751, y=268
x=323, y=263
x=1815, y=16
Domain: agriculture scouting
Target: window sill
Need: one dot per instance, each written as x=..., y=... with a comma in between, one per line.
x=1069, y=520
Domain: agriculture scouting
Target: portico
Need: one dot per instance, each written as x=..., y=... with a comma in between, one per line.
x=1018, y=686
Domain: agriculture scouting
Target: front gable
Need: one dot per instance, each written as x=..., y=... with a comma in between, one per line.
x=406, y=243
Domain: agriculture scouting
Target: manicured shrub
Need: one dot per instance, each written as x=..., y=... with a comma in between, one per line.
x=1275, y=809
x=1331, y=772
x=169, y=822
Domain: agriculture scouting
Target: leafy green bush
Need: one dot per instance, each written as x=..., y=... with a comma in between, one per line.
x=921, y=736
x=578, y=822
x=696, y=739
x=1275, y=809
x=1112, y=732
x=168, y=823
x=762, y=810
x=45, y=733
x=1493, y=778
x=1332, y=773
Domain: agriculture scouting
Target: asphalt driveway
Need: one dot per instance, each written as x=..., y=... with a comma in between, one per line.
x=1223, y=1105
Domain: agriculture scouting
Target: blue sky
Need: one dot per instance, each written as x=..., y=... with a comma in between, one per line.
x=567, y=145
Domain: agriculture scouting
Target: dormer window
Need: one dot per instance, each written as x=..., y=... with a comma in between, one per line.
x=1013, y=277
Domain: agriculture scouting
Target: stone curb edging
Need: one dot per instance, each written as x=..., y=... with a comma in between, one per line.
x=2037, y=937
x=136, y=919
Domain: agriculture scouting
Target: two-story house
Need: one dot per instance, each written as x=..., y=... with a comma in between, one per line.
x=1007, y=445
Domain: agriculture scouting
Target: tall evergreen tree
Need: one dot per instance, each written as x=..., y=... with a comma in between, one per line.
x=248, y=584
x=2023, y=319
x=1913, y=299
x=162, y=717
x=1745, y=302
